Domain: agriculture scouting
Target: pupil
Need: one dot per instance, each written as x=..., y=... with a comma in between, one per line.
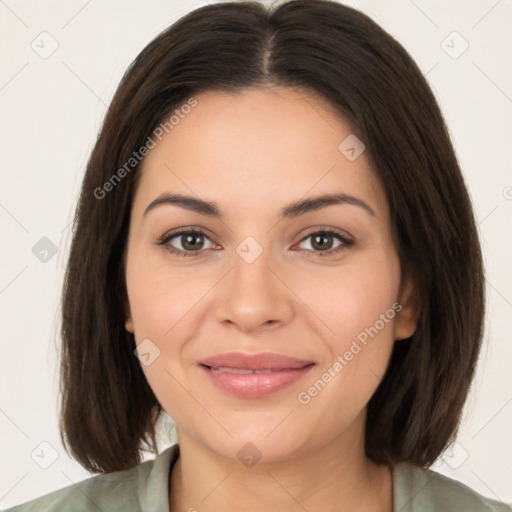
x=323, y=243
x=189, y=241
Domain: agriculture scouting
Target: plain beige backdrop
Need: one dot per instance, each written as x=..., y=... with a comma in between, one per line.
x=61, y=62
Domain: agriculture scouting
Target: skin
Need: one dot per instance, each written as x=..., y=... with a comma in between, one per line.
x=253, y=153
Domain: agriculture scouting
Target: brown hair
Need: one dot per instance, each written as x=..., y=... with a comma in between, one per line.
x=108, y=411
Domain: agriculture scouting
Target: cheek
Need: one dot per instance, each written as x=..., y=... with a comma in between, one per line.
x=360, y=306
x=160, y=297
x=353, y=297
x=164, y=303
x=162, y=306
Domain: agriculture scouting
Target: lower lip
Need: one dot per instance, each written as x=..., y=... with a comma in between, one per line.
x=255, y=385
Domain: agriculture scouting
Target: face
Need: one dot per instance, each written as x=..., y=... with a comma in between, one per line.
x=320, y=285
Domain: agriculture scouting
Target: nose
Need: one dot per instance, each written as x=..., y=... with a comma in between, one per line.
x=253, y=296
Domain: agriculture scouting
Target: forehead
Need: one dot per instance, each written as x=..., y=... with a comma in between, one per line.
x=257, y=147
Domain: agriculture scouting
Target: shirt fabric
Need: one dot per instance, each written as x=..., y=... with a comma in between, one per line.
x=144, y=488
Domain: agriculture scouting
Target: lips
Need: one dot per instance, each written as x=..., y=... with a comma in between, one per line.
x=266, y=361
x=254, y=375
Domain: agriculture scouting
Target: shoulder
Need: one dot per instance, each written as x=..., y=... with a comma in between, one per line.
x=129, y=490
x=94, y=493
x=417, y=489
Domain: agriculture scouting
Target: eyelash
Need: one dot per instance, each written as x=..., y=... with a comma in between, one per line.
x=163, y=241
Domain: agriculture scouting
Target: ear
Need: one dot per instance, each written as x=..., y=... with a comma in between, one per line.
x=406, y=320
x=128, y=324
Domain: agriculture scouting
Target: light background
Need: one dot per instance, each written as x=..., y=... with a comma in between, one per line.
x=51, y=110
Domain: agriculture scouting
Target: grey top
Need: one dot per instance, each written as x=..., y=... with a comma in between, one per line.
x=144, y=488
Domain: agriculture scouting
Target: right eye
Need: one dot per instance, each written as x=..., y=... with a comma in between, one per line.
x=189, y=240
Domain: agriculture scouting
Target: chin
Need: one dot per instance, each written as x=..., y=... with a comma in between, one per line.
x=255, y=446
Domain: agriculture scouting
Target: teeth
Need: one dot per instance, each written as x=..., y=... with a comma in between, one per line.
x=240, y=370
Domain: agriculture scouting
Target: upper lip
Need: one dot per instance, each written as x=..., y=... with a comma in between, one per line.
x=261, y=361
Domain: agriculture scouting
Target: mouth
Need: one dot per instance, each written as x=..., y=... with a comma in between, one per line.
x=254, y=376
x=242, y=371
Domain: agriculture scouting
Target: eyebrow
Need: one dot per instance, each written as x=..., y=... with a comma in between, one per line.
x=292, y=210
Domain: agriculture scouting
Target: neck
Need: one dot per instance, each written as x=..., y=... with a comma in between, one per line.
x=332, y=477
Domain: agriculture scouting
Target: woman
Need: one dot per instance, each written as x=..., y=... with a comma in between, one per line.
x=274, y=244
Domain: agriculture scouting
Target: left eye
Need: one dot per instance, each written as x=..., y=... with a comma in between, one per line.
x=323, y=241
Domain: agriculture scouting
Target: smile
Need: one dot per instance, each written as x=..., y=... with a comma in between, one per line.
x=247, y=383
